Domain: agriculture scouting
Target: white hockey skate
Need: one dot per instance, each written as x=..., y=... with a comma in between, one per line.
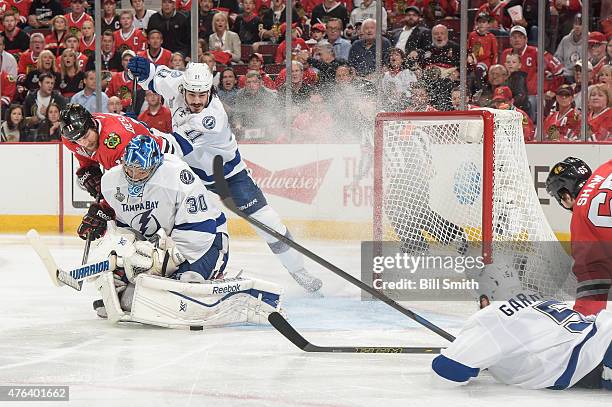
x=308, y=282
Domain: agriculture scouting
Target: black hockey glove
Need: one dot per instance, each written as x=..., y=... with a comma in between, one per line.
x=90, y=179
x=95, y=221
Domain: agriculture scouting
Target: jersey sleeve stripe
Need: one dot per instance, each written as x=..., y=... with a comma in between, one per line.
x=564, y=380
x=453, y=370
x=185, y=146
x=207, y=226
x=228, y=167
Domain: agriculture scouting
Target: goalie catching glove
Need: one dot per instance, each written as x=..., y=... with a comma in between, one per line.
x=95, y=221
x=162, y=259
x=90, y=179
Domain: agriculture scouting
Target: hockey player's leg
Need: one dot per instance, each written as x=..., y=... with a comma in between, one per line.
x=250, y=199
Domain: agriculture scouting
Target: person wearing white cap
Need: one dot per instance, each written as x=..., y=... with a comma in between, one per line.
x=529, y=61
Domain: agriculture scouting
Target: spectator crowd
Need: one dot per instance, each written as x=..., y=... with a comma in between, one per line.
x=47, y=60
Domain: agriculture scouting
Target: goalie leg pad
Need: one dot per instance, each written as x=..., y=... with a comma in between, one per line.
x=105, y=284
x=174, y=304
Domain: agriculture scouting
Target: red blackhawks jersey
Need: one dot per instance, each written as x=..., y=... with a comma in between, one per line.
x=483, y=47
x=21, y=7
x=162, y=58
x=115, y=131
x=134, y=40
x=502, y=19
x=562, y=126
x=121, y=86
x=9, y=87
x=529, y=62
x=591, y=231
x=600, y=125
x=75, y=25
x=27, y=63
x=81, y=60
x=87, y=47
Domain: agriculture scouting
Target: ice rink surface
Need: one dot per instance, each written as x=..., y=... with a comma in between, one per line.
x=51, y=335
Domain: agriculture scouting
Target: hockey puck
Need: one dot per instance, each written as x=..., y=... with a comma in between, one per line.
x=97, y=304
x=196, y=328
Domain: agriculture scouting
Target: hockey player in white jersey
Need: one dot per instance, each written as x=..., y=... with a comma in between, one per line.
x=160, y=197
x=201, y=130
x=531, y=343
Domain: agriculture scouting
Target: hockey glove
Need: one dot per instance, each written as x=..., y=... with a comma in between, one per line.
x=95, y=221
x=139, y=67
x=90, y=179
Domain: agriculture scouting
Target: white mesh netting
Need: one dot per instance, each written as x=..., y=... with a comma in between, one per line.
x=431, y=174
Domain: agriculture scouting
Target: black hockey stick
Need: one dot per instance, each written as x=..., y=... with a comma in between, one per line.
x=285, y=328
x=88, y=241
x=222, y=189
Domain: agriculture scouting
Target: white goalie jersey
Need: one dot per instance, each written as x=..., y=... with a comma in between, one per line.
x=174, y=200
x=528, y=342
x=201, y=136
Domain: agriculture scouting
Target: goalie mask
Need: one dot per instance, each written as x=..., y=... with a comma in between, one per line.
x=197, y=86
x=567, y=176
x=75, y=121
x=141, y=158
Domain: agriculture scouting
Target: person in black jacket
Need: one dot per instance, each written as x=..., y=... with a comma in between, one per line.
x=37, y=101
x=413, y=38
x=174, y=26
x=111, y=59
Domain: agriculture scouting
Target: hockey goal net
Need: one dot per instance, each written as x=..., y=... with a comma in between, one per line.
x=444, y=179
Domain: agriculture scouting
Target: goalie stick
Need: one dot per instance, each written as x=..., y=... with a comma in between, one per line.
x=222, y=189
x=72, y=277
x=289, y=332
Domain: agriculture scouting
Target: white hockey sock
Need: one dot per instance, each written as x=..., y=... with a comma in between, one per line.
x=291, y=259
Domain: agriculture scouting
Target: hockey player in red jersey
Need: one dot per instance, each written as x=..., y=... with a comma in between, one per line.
x=588, y=196
x=95, y=140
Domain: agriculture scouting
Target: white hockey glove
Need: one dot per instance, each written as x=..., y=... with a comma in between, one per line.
x=161, y=259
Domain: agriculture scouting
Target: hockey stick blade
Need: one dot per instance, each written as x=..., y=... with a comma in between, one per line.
x=223, y=191
x=72, y=277
x=285, y=328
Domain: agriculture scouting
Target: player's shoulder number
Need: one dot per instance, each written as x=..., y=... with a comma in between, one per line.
x=600, y=207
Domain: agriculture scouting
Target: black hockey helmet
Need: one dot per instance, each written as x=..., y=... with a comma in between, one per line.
x=569, y=176
x=75, y=120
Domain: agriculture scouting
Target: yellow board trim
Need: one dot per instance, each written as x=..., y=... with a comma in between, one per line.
x=313, y=229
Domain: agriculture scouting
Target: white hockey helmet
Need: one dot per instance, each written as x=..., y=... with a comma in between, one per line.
x=197, y=77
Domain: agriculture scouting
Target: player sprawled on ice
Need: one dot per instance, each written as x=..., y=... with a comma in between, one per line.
x=187, y=243
x=531, y=343
x=588, y=196
x=201, y=129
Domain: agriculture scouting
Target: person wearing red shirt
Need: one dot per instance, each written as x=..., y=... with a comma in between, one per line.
x=72, y=42
x=9, y=88
x=129, y=37
x=296, y=42
x=155, y=52
x=599, y=118
x=28, y=59
x=87, y=42
x=482, y=45
x=121, y=85
x=157, y=116
x=563, y=124
x=529, y=62
x=597, y=51
x=256, y=63
x=77, y=17
x=588, y=196
x=22, y=7
x=502, y=99
x=54, y=41
x=497, y=9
